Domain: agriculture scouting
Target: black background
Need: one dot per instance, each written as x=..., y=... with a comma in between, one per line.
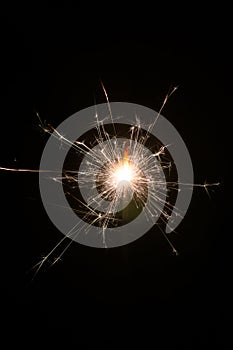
x=52, y=61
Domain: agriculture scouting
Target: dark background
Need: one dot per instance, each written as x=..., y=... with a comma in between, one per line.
x=52, y=61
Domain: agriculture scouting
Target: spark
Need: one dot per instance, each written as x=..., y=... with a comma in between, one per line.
x=27, y=170
x=120, y=170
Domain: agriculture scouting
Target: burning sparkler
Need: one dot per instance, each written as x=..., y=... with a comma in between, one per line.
x=122, y=169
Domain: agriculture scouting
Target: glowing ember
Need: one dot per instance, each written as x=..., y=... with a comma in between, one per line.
x=124, y=173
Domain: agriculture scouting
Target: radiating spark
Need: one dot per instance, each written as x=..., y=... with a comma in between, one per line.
x=28, y=170
x=109, y=107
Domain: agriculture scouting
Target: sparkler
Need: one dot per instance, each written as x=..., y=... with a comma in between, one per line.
x=116, y=179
